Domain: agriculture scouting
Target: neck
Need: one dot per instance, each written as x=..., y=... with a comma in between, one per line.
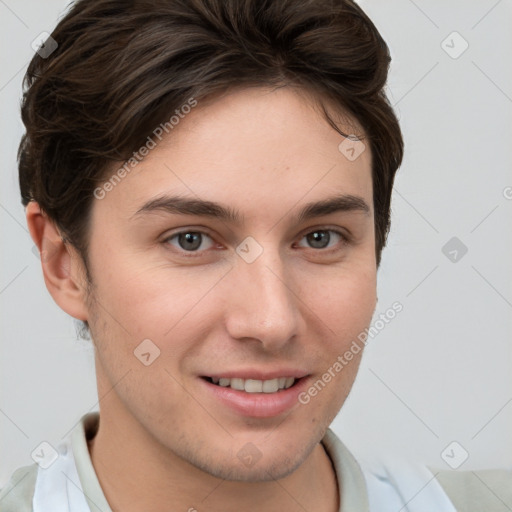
x=138, y=473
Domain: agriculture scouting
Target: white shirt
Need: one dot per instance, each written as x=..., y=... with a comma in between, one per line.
x=400, y=486
x=70, y=484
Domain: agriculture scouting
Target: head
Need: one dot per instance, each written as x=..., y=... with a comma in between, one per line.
x=141, y=119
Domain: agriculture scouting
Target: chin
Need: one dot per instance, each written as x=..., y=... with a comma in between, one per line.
x=261, y=471
x=272, y=461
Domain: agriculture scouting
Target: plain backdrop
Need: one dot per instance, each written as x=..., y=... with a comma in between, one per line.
x=441, y=370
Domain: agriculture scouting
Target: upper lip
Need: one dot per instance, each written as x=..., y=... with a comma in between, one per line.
x=259, y=374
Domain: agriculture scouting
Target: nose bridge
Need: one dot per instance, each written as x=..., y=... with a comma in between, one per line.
x=264, y=306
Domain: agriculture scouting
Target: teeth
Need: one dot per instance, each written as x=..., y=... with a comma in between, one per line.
x=237, y=384
x=270, y=386
x=255, y=386
x=289, y=382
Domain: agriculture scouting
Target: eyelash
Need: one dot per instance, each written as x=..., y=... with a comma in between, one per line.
x=345, y=240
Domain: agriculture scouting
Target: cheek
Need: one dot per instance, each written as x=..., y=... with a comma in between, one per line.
x=353, y=311
x=344, y=306
x=154, y=301
x=344, y=301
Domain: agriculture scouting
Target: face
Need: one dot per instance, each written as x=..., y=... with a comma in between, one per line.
x=184, y=299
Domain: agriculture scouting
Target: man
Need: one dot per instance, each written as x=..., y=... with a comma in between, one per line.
x=208, y=182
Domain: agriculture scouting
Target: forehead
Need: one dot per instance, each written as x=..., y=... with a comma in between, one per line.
x=259, y=150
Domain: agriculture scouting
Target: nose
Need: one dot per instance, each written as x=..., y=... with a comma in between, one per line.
x=263, y=304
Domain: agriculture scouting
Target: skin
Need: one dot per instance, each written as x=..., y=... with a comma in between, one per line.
x=161, y=440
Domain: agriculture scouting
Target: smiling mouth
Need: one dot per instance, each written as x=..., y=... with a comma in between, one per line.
x=254, y=385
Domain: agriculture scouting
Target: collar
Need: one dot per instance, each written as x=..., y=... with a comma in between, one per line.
x=71, y=483
x=403, y=485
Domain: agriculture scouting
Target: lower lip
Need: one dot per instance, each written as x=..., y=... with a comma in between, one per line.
x=257, y=405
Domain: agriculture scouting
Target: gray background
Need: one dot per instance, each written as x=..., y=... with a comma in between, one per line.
x=441, y=371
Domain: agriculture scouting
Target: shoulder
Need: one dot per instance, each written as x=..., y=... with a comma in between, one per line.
x=18, y=493
x=489, y=490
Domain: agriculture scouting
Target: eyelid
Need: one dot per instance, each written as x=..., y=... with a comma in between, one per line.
x=344, y=233
x=346, y=238
x=168, y=236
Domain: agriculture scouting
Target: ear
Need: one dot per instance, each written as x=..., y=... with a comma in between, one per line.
x=63, y=269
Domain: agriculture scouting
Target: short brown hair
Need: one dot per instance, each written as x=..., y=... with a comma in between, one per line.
x=121, y=68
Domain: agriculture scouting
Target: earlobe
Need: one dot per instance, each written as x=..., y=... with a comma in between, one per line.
x=62, y=267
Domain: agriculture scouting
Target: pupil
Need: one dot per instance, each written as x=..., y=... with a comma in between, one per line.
x=190, y=238
x=317, y=239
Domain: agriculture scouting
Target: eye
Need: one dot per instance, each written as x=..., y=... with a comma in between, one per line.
x=196, y=242
x=189, y=241
x=320, y=238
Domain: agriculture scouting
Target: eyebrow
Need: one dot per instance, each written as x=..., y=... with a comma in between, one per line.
x=187, y=206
